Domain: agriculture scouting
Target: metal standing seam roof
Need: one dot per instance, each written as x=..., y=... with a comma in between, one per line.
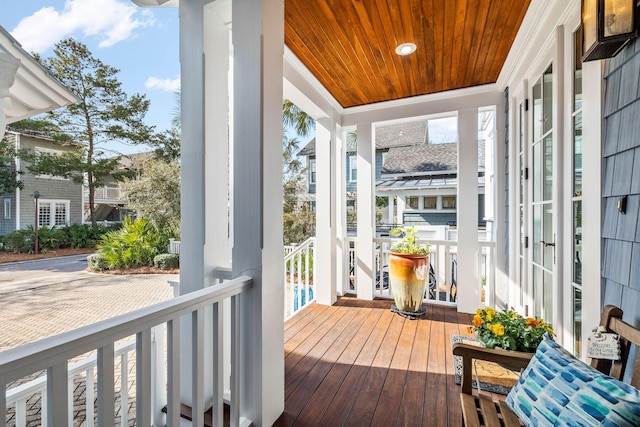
x=420, y=183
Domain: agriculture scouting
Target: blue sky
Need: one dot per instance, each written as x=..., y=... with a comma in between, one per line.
x=141, y=42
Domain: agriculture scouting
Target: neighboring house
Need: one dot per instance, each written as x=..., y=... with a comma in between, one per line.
x=109, y=199
x=27, y=89
x=418, y=177
x=60, y=199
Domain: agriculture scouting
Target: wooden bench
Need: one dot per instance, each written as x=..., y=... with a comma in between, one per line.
x=481, y=410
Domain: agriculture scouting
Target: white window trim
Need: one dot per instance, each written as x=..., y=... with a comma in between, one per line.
x=353, y=166
x=312, y=170
x=43, y=150
x=52, y=219
x=7, y=208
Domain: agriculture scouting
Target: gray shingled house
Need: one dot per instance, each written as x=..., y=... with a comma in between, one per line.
x=60, y=200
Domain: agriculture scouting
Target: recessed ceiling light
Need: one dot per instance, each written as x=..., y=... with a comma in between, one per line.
x=405, y=49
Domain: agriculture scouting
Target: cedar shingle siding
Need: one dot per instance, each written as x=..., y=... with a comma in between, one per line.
x=621, y=152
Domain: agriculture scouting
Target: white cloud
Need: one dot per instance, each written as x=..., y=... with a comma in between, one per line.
x=109, y=21
x=165, y=85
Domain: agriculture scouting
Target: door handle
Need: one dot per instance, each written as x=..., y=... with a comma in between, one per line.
x=546, y=245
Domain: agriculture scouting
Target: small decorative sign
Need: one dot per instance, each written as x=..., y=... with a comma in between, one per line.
x=603, y=345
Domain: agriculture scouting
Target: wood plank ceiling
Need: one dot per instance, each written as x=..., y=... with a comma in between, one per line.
x=349, y=45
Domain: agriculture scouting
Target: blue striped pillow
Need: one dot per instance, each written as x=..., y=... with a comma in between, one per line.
x=556, y=389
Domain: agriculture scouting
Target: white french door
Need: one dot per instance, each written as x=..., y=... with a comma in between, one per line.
x=541, y=205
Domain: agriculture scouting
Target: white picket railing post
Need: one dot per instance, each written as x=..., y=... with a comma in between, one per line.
x=106, y=394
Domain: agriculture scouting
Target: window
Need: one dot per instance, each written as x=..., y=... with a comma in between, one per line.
x=352, y=174
x=430, y=202
x=448, y=202
x=7, y=208
x=48, y=151
x=412, y=202
x=53, y=213
x=312, y=171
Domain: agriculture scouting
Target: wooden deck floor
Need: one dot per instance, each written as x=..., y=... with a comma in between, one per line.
x=358, y=364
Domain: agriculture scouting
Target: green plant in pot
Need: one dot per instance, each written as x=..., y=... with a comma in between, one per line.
x=408, y=269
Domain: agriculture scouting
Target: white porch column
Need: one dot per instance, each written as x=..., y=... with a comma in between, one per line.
x=365, y=274
x=592, y=139
x=340, y=205
x=467, y=207
x=499, y=208
x=258, y=44
x=402, y=203
x=390, y=207
x=217, y=247
x=325, y=254
x=192, y=215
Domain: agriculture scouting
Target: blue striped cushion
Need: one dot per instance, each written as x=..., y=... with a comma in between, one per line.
x=556, y=389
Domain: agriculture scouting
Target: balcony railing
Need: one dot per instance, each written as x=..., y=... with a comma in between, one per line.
x=152, y=391
x=106, y=193
x=443, y=281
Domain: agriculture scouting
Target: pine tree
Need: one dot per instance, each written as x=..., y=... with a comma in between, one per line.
x=105, y=113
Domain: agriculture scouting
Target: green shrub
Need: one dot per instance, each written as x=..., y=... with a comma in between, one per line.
x=51, y=237
x=97, y=262
x=19, y=241
x=166, y=261
x=85, y=235
x=133, y=245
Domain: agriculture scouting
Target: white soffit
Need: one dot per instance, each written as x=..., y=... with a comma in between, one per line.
x=34, y=90
x=535, y=34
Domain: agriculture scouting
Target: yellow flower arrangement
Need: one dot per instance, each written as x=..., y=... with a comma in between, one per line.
x=509, y=330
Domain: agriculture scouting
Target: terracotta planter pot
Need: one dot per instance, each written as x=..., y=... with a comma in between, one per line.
x=408, y=275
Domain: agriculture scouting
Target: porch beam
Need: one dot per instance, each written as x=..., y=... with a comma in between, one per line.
x=467, y=207
x=365, y=210
x=325, y=252
x=258, y=40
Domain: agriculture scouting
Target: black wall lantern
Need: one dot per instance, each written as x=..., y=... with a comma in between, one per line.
x=608, y=25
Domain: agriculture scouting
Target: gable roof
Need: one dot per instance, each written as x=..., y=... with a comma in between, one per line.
x=386, y=136
x=421, y=159
x=401, y=134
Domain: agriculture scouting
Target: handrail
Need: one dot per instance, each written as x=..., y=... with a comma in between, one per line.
x=21, y=361
x=300, y=248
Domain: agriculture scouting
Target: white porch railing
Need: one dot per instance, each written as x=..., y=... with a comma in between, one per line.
x=174, y=246
x=299, y=270
x=152, y=391
x=443, y=283
x=84, y=373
